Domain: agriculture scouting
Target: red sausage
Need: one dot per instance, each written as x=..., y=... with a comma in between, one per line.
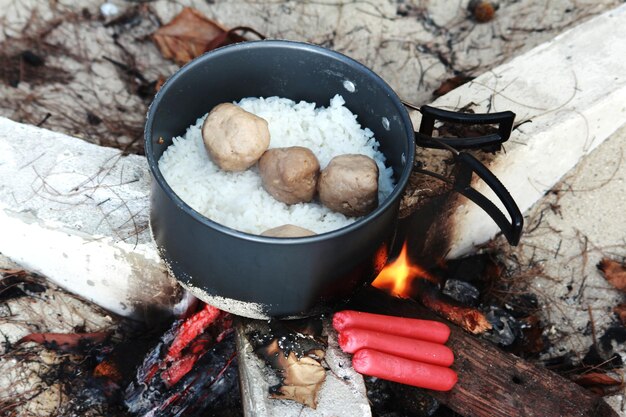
x=404, y=371
x=352, y=340
x=432, y=331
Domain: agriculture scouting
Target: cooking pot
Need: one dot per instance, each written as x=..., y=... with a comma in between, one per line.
x=259, y=276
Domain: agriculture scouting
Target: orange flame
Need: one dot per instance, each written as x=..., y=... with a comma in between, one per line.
x=398, y=276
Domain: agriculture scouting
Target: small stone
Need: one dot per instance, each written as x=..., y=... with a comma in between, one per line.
x=461, y=291
x=505, y=327
x=109, y=9
x=482, y=11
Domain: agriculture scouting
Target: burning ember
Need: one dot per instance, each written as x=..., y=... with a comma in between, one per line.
x=190, y=370
x=397, y=277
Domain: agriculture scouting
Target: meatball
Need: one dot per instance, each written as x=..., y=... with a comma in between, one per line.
x=290, y=174
x=288, y=230
x=234, y=138
x=349, y=185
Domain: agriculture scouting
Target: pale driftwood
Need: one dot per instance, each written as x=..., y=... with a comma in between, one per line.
x=78, y=214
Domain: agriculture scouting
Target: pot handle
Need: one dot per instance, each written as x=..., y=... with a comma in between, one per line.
x=423, y=137
x=468, y=165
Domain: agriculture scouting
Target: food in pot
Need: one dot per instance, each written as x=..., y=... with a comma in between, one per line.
x=238, y=199
x=290, y=174
x=288, y=230
x=349, y=185
x=234, y=138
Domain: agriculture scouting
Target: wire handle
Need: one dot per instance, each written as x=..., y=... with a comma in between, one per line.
x=468, y=164
x=424, y=138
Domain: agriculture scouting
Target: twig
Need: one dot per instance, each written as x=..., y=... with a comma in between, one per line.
x=593, y=327
x=46, y=117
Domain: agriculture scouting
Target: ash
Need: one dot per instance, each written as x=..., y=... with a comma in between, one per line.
x=236, y=307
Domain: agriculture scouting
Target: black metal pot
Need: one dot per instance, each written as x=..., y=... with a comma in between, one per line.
x=288, y=277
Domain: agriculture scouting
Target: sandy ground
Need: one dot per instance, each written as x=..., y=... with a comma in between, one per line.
x=414, y=45
x=568, y=232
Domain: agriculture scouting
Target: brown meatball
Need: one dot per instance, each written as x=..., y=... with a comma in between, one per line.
x=349, y=185
x=234, y=138
x=290, y=174
x=288, y=230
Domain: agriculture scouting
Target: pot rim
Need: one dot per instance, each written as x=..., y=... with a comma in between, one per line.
x=391, y=199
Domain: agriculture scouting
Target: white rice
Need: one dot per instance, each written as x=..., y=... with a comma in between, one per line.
x=238, y=200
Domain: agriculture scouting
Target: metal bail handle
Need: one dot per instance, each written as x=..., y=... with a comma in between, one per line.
x=468, y=165
x=424, y=138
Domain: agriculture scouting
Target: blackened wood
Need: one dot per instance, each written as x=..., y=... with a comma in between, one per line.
x=493, y=383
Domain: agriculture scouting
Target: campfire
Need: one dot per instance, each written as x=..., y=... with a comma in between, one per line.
x=197, y=365
x=402, y=278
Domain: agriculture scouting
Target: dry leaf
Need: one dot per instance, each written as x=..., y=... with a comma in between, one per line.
x=107, y=369
x=302, y=380
x=304, y=371
x=11, y=272
x=65, y=341
x=599, y=383
x=596, y=378
x=186, y=36
x=15, y=283
x=295, y=351
x=190, y=34
x=620, y=310
x=532, y=341
x=159, y=83
x=614, y=272
x=450, y=84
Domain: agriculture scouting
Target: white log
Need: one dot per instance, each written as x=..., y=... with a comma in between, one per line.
x=572, y=89
x=342, y=393
x=78, y=213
